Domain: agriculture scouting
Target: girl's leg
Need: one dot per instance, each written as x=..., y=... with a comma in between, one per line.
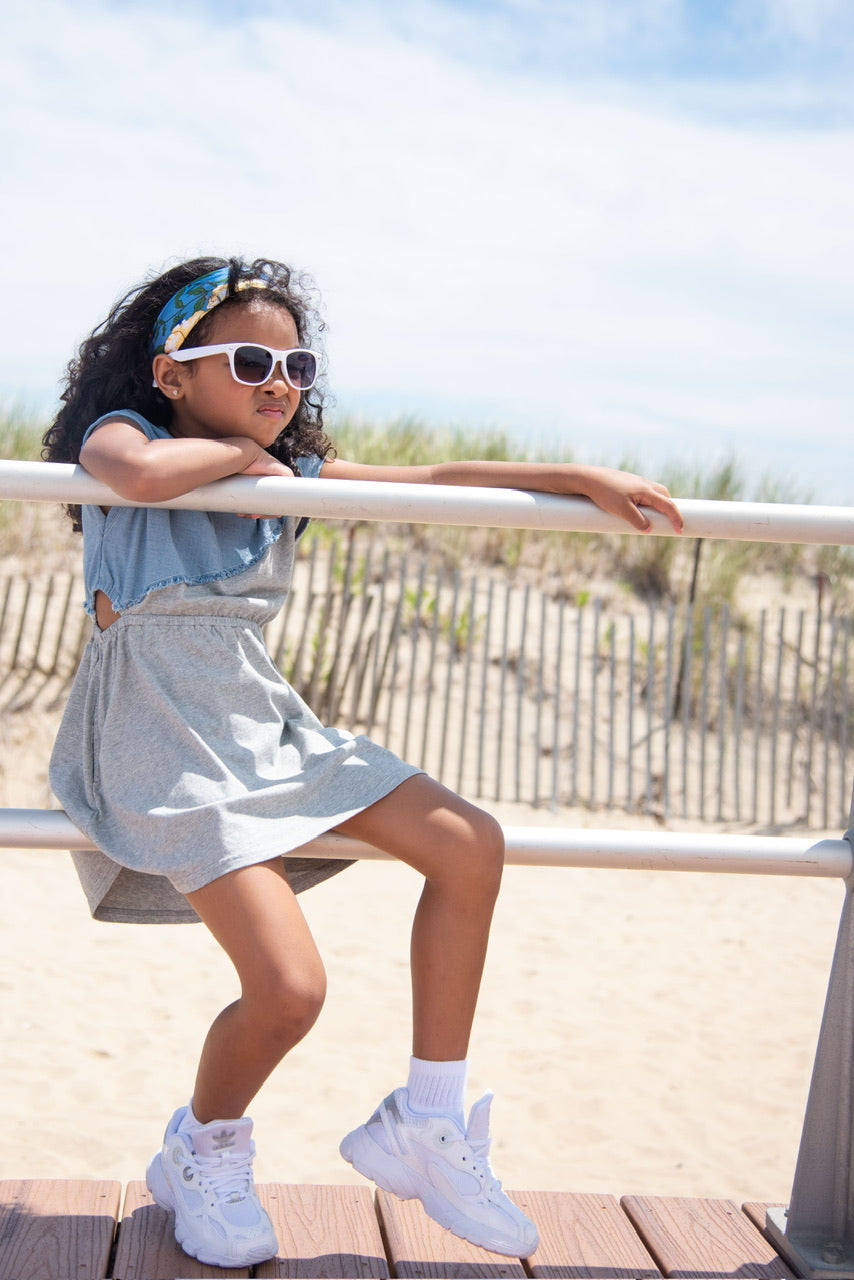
x=254, y=916
x=460, y=851
x=420, y=1146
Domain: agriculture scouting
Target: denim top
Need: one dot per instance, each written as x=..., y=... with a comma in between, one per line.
x=132, y=551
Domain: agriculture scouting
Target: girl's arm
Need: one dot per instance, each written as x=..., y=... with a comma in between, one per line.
x=618, y=492
x=155, y=470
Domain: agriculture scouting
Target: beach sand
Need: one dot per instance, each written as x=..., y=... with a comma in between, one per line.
x=644, y=1032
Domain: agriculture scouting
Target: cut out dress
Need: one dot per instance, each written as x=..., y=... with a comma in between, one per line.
x=183, y=753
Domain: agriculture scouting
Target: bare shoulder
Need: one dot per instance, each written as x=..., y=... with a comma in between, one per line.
x=114, y=431
x=117, y=420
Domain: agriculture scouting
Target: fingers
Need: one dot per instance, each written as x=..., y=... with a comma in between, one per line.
x=271, y=468
x=661, y=501
x=649, y=493
x=626, y=495
x=264, y=464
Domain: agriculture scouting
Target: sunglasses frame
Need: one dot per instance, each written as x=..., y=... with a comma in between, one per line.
x=279, y=358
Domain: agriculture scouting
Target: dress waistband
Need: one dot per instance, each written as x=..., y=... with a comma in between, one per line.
x=176, y=620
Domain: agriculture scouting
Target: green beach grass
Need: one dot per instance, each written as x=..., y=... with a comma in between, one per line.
x=649, y=568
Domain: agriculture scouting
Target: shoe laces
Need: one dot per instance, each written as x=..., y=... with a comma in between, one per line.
x=229, y=1175
x=475, y=1156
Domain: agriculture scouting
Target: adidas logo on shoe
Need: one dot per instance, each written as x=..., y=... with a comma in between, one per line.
x=224, y=1139
x=205, y=1177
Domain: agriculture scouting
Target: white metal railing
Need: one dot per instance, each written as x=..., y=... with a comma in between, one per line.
x=817, y=1232
x=442, y=504
x=538, y=846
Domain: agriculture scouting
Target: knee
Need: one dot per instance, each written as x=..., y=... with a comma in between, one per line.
x=286, y=1006
x=476, y=861
x=490, y=841
x=301, y=999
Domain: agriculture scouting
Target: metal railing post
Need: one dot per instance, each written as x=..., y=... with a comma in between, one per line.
x=816, y=1233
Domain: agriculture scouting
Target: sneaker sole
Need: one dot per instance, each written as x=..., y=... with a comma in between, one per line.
x=157, y=1184
x=155, y=1180
x=369, y=1159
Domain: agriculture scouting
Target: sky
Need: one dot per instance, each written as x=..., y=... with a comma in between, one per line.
x=618, y=227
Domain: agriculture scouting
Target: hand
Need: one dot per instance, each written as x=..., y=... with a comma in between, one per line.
x=264, y=464
x=625, y=495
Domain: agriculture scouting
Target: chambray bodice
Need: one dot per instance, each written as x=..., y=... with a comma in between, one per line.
x=131, y=551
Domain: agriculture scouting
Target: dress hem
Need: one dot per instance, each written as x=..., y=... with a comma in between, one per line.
x=121, y=894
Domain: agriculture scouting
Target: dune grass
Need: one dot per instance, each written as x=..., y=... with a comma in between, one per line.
x=27, y=529
x=20, y=434
x=649, y=568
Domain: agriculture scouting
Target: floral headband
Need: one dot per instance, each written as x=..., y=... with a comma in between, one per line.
x=183, y=311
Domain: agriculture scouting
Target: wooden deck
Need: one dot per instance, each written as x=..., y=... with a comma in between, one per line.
x=67, y=1230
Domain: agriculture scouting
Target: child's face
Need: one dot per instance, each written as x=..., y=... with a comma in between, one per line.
x=211, y=404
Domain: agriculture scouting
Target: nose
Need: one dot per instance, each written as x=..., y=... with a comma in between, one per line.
x=277, y=382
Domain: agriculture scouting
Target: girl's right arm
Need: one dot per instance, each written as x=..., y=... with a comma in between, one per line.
x=147, y=471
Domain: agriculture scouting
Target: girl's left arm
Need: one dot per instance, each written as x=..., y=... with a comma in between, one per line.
x=618, y=492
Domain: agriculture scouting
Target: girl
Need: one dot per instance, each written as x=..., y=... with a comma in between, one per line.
x=194, y=767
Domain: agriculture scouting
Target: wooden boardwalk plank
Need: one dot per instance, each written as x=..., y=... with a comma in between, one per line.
x=705, y=1238
x=51, y=1229
x=64, y=1230
x=146, y=1248
x=418, y=1247
x=323, y=1232
x=584, y=1235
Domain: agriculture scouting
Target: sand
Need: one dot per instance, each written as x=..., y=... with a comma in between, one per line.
x=644, y=1032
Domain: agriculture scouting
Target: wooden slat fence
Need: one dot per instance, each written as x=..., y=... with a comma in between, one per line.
x=506, y=691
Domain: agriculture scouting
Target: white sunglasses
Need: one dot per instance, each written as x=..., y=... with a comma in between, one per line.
x=253, y=364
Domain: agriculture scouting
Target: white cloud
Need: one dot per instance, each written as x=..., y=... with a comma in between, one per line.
x=810, y=21
x=523, y=250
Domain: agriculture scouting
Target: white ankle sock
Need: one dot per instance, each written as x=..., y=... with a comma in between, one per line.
x=437, y=1089
x=189, y=1121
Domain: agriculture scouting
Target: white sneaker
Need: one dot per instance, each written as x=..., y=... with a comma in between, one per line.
x=429, y=1158
x=205, y=1176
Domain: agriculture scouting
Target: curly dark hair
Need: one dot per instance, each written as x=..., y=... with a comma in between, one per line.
x=112, y=370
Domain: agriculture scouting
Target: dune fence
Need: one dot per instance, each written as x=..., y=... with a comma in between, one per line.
x=506, y=690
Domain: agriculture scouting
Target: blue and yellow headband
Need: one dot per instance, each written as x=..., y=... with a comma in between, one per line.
x=183, y=311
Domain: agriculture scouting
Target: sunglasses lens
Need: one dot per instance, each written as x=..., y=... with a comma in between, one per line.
x=302, y=369
x=252, y=365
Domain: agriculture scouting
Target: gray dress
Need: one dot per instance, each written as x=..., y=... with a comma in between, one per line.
x=183, y=753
